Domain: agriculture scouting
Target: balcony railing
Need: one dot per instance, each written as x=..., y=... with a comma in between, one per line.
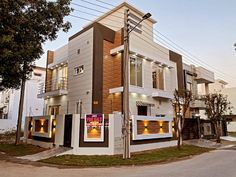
x=53, y=85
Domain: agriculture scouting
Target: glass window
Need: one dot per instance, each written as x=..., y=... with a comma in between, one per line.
x=158, y=78
x=136, y=74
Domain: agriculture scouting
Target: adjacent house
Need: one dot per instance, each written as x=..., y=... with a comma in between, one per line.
x=220, y=87
x=9, y=101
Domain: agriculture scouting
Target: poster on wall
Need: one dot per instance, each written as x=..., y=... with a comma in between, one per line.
x=94, y=128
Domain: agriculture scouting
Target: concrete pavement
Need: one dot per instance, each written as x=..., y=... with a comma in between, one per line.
x=219, y=163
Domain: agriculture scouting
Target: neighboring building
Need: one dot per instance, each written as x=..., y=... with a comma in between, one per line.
x=218, y=86
x=231, y=119
x=9, y=101
x=197, y=80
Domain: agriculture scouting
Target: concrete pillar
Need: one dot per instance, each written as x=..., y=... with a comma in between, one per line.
x=206, y=88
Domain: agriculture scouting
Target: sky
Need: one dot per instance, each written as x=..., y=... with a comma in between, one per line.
x=206, y=29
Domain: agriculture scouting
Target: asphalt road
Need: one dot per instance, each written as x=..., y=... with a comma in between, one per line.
x=219, y=163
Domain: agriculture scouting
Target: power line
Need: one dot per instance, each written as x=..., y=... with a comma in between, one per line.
x=93, y=21
x=185, y=51
x=94, y=4
x=189, y=54
x=102, y=12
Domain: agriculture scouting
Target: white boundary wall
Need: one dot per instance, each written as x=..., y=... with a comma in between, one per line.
x=115, y=140
x=115, y=145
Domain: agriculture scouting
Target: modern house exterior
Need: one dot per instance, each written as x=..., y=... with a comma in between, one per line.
x=9, y=101
x=220, y=87
x=84, y=86
x=84, y=81
x=197, y=80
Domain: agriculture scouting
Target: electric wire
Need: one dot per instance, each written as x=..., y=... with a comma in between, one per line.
x=189, y=54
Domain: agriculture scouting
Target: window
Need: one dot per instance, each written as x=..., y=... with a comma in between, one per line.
x=158, y=78
x=136, y=77
x=78, y=51
x=54, y=110
x=142, y=110
x=189, y=86
x=37, y=74
x=79, y=70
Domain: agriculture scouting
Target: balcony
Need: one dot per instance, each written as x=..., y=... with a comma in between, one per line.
x=54, y=87
x=198, y=104
x=204, y=76
x=155, y=93
x=163, y=94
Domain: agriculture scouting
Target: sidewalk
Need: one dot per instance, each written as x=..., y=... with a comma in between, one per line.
x=45, y=154
x=203, y=143
x=228, y=138
x=227, y=142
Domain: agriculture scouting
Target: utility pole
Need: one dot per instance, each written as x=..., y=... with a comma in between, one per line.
x=21, y=106
x=20, y=112
x=126, y=124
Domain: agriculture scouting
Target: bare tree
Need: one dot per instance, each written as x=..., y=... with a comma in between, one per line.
x=217, y=106
x=180, y=104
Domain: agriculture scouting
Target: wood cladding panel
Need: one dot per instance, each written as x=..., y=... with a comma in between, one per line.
x=48, y=79
x=112, y=66
x=50, y=57
x=152, y=127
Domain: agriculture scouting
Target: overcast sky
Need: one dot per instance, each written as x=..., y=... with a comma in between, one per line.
x=205, y=28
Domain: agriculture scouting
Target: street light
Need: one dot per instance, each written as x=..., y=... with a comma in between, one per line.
x=125, y=65
x=146, y=16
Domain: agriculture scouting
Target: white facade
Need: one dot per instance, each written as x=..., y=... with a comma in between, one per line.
x=9, y=101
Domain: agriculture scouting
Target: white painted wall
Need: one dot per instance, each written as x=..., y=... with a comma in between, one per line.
x=60, y=55
x=32, y=105
x=62, y=101
x=80, y=86
x=59, y=134
x=231, y=126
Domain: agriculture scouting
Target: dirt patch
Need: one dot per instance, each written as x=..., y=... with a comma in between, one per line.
x=7, y=137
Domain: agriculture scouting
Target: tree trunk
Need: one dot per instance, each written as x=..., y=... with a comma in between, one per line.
x=218, y=132
x=179, y=130
x=20, y=112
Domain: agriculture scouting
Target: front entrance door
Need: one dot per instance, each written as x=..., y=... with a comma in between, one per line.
x=142, y=110
x=67, y=131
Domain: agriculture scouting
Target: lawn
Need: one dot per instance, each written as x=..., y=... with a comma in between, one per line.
x=232, y=134
x=147, y=157
x=20, y=150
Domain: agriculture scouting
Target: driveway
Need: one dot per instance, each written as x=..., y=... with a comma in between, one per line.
x=219, y=163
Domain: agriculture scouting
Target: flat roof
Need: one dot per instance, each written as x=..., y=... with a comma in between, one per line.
x=124, y=4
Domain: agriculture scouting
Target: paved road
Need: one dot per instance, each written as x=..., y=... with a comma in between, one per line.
x=220, y=163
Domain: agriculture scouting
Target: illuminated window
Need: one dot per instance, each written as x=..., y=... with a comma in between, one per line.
x=136, y=72
x=158, y=78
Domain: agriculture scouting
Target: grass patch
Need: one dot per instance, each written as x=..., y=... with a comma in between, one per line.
x=147, y=157
x=20, y=150
x=232, y=134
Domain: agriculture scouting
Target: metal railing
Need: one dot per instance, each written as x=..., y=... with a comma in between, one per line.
x=53, y=85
